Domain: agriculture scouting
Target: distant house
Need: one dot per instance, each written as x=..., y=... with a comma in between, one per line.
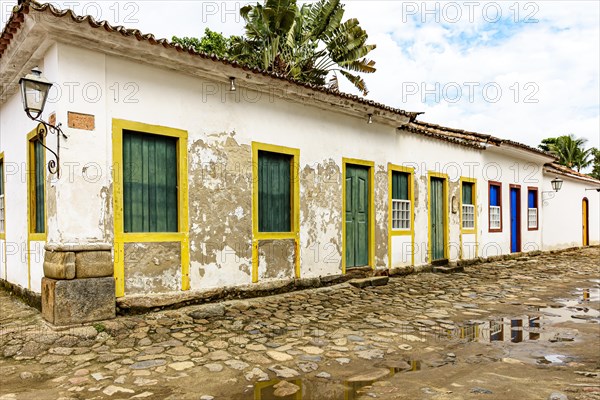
x=171, y=181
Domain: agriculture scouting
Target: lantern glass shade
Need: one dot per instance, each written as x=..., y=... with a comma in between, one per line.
x=34, y=92
x=556, y=184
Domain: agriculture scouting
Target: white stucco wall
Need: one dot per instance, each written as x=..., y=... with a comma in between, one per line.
x=562, y=227
x=23, y=262
x=509, y=170
x=221, y=127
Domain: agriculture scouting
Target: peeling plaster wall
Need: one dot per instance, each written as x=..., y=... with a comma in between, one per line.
x=320, y=217
x=276, y=259
x=221, y=126
x=220, y=190
x=562, y=213
x=152, y=267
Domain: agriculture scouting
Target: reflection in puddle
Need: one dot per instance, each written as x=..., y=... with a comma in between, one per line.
x=515, y=330
x=318, y=389
x=575, y=310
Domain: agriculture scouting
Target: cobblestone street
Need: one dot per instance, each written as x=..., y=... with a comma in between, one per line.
x=514, y=329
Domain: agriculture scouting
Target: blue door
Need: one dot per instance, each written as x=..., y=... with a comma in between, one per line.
x=515, y=220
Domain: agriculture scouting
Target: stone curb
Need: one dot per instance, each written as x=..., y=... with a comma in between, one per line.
x=140, y=304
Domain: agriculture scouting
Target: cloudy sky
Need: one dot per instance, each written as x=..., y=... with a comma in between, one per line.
x=519, y=70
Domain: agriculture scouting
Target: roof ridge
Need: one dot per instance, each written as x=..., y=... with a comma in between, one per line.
x=488, y=138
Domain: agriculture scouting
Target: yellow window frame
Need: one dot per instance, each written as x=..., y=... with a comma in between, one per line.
x=411, y=195
x=446, y=178
x=294, y=206
x=464, y=231
x=31, y=235
x=121, y=237
x=371, y=248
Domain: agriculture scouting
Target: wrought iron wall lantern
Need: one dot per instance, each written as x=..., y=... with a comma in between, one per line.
x=556, y=184
x=34, y=93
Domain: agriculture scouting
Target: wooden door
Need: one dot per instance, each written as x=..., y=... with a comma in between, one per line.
x=585, y=222
x=436, y=219
x=515, y=219
x=357, y=216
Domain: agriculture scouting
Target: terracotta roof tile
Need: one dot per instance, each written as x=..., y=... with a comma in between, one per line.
x=562, y=170
x=467, y=138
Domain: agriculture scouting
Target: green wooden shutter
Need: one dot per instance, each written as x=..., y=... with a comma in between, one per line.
x=467, y=193
x=39, y=176
x=149, y=183
x=274, y=197
x=399, y=185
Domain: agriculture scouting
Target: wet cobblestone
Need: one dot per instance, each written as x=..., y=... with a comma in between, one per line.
x=333, y=342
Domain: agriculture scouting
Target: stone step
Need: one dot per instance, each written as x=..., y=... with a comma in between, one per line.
x=449, y=268
x=371, y=281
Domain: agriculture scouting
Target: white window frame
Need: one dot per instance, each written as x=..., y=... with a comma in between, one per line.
x=532, y=218
x=468, y=216
x=495, y=217
x=401, y=215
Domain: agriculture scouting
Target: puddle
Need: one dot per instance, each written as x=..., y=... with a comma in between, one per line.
x=553, y=359
x=579, y=310
x=536, y=327
x=515, y=330
x=320, y=388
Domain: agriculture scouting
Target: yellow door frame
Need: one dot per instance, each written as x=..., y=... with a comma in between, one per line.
x=371, y=247
x=411, y=196
x=3, y=234
x=464, y=231
x=434, y=174
x=294, y=234
x=182, y=234
x=585, y=217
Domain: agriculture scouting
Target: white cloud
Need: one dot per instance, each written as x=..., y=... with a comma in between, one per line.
x=554, y=60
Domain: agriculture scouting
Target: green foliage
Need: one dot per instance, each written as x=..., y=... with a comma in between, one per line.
x=595, y=163
x=546, y=143
x=309, y=43
x=211, y=43
x=570, y=151
x=99, y=327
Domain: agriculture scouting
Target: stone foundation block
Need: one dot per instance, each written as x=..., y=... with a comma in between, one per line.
x=93, y=264
x=59, y=265
x=77, y=262
x=69, y=302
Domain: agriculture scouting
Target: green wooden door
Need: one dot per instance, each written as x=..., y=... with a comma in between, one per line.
x=436, y=210
x=357, y=216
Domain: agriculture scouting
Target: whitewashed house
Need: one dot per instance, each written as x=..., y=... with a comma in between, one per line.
x=170, y=180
